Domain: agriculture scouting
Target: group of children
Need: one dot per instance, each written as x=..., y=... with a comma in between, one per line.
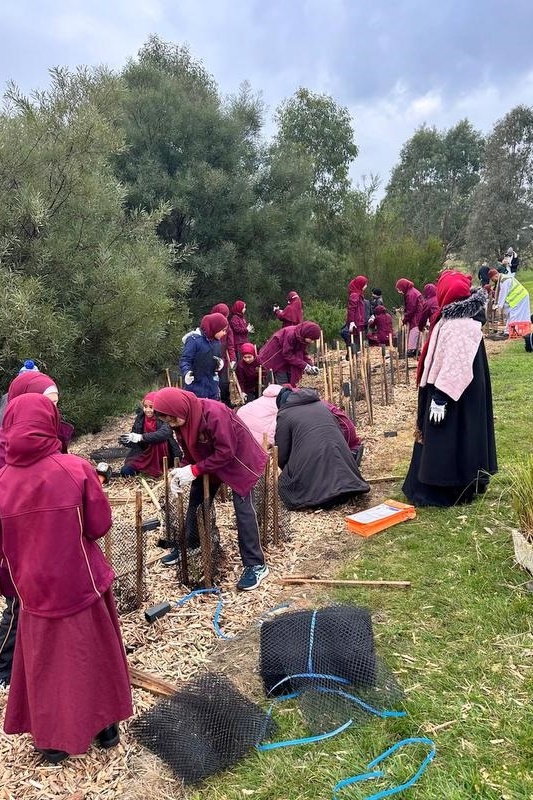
x=371, y=319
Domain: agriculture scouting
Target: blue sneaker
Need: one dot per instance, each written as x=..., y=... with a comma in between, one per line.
x=171, y=558
x=252, y=577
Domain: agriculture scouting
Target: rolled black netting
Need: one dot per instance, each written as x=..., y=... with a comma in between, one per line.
x=110, y=453
x=125, y=548
x=327, y=659
x=204, y=728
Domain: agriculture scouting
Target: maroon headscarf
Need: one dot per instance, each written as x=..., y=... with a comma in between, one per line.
x=248, y=349
x=238, y=307
x=403, y=285
x=429, y=290
x=380, y=310
x=212, y=324
x=221, y=308
x=357, y=285
x=293, y=313
x=451, y=286
x=185, y=405
x=31, y=425
x=29, y=383
x=307, y=330
x=292, y=296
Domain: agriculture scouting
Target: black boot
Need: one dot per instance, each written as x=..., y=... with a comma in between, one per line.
x=54, y=756
x=109, y=737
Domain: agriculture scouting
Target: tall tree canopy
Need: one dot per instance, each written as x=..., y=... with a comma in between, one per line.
x=431, y=188
x=502, y=213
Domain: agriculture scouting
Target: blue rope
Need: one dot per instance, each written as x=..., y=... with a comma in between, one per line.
x=383, y=713
x=218, y=611
x=379, y=774
x=311, y=642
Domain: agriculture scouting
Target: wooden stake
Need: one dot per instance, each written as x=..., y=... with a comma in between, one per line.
x=235, y=380
x=139, y=575
x=291, y=579
x=152, y=496
x=266, y=503
x=265, y=441
x=169, y=380
x=152, y=683
x=204, y=531
x=275, y=496
x=182, y=540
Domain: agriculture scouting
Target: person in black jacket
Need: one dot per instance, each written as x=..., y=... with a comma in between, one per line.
x=150, y=441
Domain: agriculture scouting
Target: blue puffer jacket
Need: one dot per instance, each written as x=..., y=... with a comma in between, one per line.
x=200, y=357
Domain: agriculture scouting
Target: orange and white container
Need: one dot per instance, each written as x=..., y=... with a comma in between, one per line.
x=378, y=518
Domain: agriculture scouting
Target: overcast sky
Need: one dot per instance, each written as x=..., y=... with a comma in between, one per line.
x=394, y=63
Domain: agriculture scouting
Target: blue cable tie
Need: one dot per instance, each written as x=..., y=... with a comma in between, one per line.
x=218, y=611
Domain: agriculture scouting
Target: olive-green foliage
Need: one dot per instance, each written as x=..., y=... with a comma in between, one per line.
x=86, y=290
x=405, y=258
x=330, y=316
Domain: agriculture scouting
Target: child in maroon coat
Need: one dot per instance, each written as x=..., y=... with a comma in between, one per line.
x=285, y=353
x=228, y=355
x=215, y=442
x=240, y=327
x=412, y=309
x=70, y=681
x=430, y=305
x=356, y=311
x=247, y=372
x=293, y=313
x=379, y=326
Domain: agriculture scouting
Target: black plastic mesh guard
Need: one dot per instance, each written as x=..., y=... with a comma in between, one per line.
x=119, y=546
x=204, y=728
x=332, y=650
x=262, y=497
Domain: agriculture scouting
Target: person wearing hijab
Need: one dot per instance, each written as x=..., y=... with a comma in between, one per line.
x=285, y=353
x=356, y=315
x=228, y=354
x=240, y=327
x=248, y=372
x=413, y=301
x=201, y=359
x=512, y=297
x=454, y=453
x=318, y=467
x=293, y=313
x=28, y=381
x=150, y=441
x=380, y=327
x=70, y=681
x=430, y=305
x=215, y=442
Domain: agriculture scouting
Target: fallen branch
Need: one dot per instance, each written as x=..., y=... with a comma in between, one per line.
x=385, y=479
x=144, y=680
x=294, y=579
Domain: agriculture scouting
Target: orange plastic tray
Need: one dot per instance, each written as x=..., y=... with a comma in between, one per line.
x=378, y=518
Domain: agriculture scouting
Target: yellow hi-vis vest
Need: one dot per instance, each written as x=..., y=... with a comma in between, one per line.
x=516, y=294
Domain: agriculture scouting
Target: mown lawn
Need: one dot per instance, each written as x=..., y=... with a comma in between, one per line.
x=460, y=642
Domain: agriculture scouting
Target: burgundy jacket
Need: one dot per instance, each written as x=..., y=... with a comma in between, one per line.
x=293, y=313
x=413, y=306
x=239, y=327
x=430, y=305
x=381, y=327
x=285, y=351
x=345, y=424
x=356, y=310
x=52, y=509
x=228, y=449
x=247, y=375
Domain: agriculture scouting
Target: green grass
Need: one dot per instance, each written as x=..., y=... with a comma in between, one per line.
x=460, y=642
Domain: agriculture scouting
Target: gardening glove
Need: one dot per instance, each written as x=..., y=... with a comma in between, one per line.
x=371, y=320
x=232, y=364
x=275, y=308
x=180, y=477
x=130, y=438
x=189, y=378
x=219, y=363
x=250, y=328
x=104, y=472
x=351, y=327
x=437, y=412
x=309, y=369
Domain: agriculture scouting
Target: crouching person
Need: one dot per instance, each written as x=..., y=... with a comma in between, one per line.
x=69, y=682
x=217, y=443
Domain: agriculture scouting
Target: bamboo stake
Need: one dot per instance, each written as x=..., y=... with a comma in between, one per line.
x=385, y=479
x=384, y=373
x=233, y=377
x=275, y=496
x=169, y=380
x=353, y=384
x=266, y=504
x=182, y=541
x=391, y=360
x=365, y=391
x=205, y=535
x=139, y=546
x=340, y=376
x=369, y=382
x=265, y=442
x=291, y=579
x=152, y=496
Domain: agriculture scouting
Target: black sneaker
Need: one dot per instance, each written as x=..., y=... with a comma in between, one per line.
x=358, y=455
x=54, y=756
x=109, y=737
x=252, y=577
x=171, y=558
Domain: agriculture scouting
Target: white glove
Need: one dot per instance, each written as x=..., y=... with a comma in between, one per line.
x=232, y=364
x=351, y=327
x=371, y=320
x=275, y=308
x=219, y=363
x=250, y=328
x=180, y=477
x=309, y=369
x=189, y=378
x=437, y=412
x=131, y=438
